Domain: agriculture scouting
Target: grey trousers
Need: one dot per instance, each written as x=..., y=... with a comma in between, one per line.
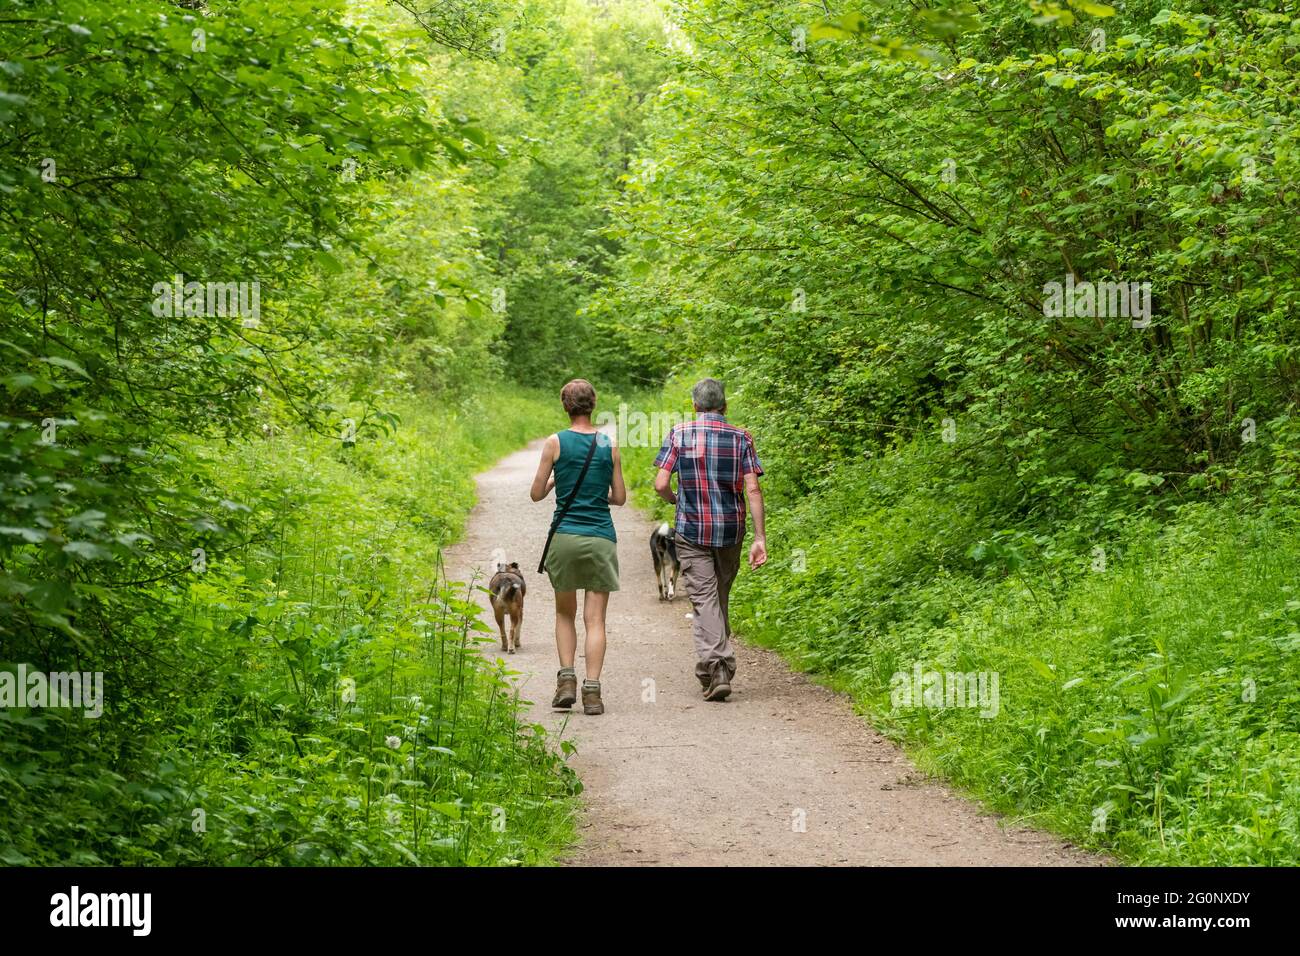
x=709, y=574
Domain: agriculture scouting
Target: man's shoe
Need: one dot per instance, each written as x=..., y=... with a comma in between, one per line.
x=702, y=675
x=719, y=685
x=566, y=689
x=591, y=702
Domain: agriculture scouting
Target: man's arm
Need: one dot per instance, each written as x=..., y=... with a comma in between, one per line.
x=664, y=486
x=757, y=550
x=666, y=462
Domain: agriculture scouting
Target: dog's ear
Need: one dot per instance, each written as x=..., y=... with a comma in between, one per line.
x=514, y=565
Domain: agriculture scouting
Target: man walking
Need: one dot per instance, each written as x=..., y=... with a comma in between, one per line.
x=717, y=470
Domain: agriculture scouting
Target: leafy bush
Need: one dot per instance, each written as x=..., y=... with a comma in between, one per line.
x=310, y=691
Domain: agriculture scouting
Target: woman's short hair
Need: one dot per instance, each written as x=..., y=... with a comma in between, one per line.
x=579, y=398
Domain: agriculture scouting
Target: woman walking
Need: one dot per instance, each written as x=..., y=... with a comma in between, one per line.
x=583, y=467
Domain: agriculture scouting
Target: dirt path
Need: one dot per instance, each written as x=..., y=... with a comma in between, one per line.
x=678, y=781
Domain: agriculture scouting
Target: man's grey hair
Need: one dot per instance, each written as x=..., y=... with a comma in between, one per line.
x=708, y=395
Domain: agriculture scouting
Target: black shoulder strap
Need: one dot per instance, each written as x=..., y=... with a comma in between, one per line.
x=564, y=508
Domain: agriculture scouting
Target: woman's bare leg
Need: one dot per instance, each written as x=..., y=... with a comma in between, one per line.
x=593, y=619
x=566, y=632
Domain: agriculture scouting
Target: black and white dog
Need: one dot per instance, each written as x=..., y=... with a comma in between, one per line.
x=663, y=549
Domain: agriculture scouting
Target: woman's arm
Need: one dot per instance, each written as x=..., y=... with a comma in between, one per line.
x=544, y=481
x=617, y=490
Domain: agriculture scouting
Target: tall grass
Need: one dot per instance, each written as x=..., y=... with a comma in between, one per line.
x=1149, y=673
x=332, y=707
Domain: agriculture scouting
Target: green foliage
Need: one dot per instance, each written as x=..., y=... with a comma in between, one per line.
x=310, y=691
x=1158, y=684
x=228, y=500
x=149, y=150
x=863, y=242
x=580, y=80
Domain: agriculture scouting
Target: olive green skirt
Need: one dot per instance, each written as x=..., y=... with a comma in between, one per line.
x=581, y=562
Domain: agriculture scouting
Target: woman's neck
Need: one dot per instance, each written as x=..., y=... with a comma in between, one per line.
x=581, y=423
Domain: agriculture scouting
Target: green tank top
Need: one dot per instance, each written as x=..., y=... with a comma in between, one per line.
x=589, y=514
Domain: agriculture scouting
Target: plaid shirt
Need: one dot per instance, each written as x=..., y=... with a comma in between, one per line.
x=711, y=459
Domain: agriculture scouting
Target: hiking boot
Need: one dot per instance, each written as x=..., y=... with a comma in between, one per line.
x=719, y=684
x=702, y=675
x=591, y=702
x=566, y=689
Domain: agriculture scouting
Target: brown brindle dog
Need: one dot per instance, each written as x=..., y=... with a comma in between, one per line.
x=507, y=589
